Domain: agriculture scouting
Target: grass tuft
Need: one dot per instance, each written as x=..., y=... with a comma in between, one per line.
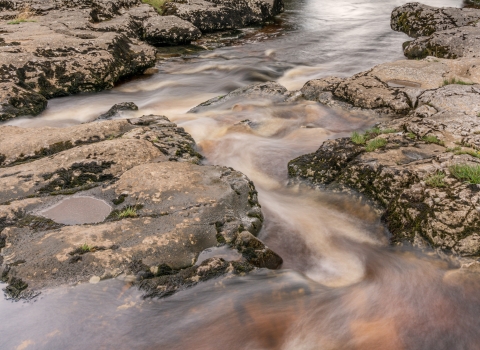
x=357, y=138
x=85, y=248
x=128, y=212
x=455, y=81
x=432, y=139
x=411, y=136
x=374, y=144
x=436, y=179
x=466, y=172
x=156, y=4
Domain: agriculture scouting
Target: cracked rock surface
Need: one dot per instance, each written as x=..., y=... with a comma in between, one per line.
x=165, y=208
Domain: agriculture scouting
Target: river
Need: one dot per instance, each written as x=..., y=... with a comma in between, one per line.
x=341, y=286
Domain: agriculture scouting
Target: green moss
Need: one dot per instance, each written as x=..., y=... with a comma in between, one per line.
x=455, y=81
x=411, y=136
x=375, y=144
x=357, y=138
x=436, y=179
x=466, y=172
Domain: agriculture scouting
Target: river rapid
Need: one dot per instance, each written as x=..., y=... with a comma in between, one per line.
x=341, y=286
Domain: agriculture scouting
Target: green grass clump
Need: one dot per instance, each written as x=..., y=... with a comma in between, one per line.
x=411, y=135
x=466, y=172
x=374, y=144
x=388, y=131
x=455, y=81
x=128, y=212
x=85, y=248
x=432, y=139
x=156, y=4
x=357, y=138
x=436, y=179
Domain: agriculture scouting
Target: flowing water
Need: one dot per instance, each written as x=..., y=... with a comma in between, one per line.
x=341, y=286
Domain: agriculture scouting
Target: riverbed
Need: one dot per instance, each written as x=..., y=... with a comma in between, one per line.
x=342, y=286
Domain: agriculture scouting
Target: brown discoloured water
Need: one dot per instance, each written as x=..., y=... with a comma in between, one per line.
x=342, y=286
x=78, y=210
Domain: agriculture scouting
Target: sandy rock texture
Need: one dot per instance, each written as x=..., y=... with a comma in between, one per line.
x=165, y=209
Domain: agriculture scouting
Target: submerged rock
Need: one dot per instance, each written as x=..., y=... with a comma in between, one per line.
x=112, y=112
x=268, y=90
x=167, y=209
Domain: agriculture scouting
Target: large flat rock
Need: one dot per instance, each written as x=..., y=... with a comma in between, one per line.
x=121, y=198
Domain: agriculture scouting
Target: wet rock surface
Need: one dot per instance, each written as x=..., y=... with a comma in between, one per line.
x=269, y=90
x=165, y=209
x=419, y=164
x=211, y=15
x=439, y=32
x=57, y=47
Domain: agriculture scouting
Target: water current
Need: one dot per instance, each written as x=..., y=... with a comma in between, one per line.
x=341, y=286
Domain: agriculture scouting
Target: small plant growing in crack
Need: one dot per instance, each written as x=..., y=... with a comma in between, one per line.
x=357, y=138
x=375, y=144
x=432, y=139
x=128, y=212
x=455, y=81
x=436, y=179
x=466, y=172
x=85, y=248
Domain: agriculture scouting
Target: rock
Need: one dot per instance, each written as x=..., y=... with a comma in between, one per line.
x=440, y=32
x=59, y=56
x=170, y=30
x=361, y=92
x=167, y=209
x=416, y=20
x=269, y=90
x=211, y=15
x=450, y=43
x=112, y=112
x=392, y=88
x=409, y=175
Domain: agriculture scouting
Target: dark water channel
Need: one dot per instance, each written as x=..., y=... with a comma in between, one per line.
x=342, y=286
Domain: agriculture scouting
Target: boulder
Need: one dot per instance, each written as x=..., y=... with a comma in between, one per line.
x=115, y=109
x=416, y=20
x=169, y=30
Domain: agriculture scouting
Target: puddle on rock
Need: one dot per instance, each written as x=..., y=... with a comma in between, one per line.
x=403, y=83
x=78, y=210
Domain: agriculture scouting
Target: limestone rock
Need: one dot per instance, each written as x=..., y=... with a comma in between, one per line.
x=170, y=30
x=415, y=19
x=166, y=209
